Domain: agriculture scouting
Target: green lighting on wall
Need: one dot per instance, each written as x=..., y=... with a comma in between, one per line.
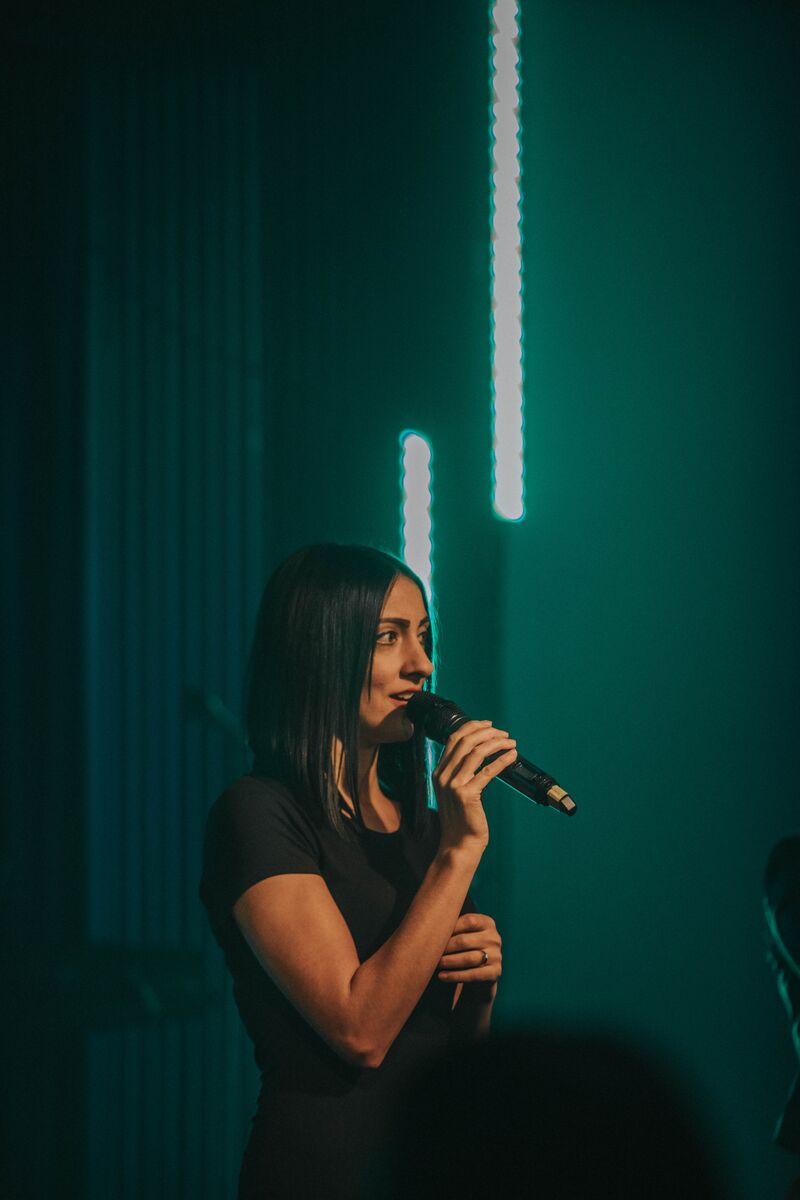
x=508, y=496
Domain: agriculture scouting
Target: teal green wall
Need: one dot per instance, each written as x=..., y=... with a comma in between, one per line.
x=649, y=636
x=249, y=249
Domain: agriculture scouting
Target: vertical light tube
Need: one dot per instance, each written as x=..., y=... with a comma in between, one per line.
x=508, y=481
x=416, y=523
x=416, y=538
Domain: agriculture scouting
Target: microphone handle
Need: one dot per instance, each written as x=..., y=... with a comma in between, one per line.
x=525, y=777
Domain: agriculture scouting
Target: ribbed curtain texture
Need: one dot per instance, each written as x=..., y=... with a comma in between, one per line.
x=177, y=541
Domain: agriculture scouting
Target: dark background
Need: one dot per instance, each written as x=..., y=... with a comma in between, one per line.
x=247, y=247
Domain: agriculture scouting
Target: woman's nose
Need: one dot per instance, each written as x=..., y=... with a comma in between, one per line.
x=420, y=663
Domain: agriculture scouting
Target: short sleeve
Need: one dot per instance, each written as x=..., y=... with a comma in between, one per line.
x=255, y=829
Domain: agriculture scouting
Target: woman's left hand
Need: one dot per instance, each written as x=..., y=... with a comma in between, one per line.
x=462, y=959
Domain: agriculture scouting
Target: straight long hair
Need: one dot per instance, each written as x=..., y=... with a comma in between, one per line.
x=311, y=654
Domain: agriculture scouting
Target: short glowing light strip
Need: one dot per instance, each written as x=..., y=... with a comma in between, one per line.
x=416, y=527
x=416, y=540
x=508, y=498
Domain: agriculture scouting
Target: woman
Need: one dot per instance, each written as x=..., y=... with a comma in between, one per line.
x=339, y=897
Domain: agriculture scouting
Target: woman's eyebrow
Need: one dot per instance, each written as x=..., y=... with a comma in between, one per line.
x=402, y=621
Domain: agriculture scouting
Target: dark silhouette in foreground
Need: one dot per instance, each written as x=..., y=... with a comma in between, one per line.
x=546, y=1114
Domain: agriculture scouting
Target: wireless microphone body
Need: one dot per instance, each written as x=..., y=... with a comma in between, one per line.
x=438, y=718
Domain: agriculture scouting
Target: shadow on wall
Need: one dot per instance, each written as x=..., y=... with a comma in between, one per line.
x=546, y=1114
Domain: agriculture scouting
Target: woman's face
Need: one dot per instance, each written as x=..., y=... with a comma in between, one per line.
x=400, y=664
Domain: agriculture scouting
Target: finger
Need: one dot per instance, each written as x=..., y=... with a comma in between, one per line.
x=473, y=939
x=469, y=735
x=490, y=758
x=470, y=729
x=470, y=767
x=462, y=960
x=478, y=754
x=470, y=974
x=494, y=768
x=473, y=922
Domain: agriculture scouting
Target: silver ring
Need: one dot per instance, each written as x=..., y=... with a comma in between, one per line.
x=485, y=958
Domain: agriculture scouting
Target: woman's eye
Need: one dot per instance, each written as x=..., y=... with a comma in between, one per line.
x=425, y=638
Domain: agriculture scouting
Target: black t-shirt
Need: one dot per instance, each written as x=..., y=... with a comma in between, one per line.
x=320, y=1120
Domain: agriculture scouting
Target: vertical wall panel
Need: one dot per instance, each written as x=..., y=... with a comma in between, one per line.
x=177, y=545
x=187, y=509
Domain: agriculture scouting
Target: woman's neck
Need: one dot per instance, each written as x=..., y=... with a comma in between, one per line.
x=371, y=796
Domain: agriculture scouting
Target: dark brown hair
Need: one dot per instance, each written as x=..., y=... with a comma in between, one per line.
x=311, y=653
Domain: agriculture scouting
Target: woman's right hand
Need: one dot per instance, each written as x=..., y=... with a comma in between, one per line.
x=458, y=788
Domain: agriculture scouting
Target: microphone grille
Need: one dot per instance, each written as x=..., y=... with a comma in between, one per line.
x=436, y=716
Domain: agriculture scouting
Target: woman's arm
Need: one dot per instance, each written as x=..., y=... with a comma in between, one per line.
x=298, y=934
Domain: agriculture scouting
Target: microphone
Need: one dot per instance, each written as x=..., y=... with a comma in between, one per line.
x=438, y=718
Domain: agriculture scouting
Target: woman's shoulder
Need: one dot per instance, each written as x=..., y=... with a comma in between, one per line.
x=254, y=800
x=255, y=786
x=254, y=829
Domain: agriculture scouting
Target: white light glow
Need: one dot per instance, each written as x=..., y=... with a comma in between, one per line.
x=508, y=475
x=416, y=525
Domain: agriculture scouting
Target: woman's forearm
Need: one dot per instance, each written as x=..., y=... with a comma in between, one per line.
x=387, y=987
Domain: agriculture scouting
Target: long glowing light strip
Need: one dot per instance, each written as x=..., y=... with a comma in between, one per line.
x=416, y=525
x=508, y=497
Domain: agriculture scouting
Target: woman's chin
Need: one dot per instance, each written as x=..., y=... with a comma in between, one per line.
x=396, y=728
